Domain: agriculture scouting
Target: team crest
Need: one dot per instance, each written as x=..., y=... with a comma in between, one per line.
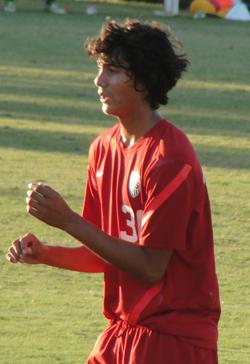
x=134, y=184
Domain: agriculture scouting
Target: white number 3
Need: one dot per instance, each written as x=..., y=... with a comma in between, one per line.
x=131, y=223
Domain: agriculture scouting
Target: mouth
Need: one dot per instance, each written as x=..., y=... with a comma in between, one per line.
x=103, y=98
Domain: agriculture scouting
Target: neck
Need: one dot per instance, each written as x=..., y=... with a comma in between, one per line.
x=134, y=128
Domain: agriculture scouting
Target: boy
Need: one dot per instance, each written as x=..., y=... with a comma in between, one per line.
x=146, y=219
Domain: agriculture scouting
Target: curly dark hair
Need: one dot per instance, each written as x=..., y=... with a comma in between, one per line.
x=145, y=52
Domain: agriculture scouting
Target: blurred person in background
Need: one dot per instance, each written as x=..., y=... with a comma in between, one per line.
x=49, y=5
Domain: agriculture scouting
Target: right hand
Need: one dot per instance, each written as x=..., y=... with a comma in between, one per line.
x=26, y=249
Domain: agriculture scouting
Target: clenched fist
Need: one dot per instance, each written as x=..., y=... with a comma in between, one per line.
x=47, y=205
x=26, y=249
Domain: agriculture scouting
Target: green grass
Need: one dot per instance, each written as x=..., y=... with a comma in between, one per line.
x=49, y=113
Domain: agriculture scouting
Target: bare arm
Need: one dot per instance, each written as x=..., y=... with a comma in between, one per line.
x=78, y=259
x=148, y=265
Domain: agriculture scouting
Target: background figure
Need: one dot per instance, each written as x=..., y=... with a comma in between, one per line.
x=49, y=5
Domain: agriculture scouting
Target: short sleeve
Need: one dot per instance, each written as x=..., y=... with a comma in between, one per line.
x=169, y=188
x=91, y=206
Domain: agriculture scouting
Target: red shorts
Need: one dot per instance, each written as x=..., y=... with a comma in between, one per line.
x=121, y=343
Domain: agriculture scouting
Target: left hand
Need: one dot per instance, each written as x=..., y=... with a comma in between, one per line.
x=27, y=249
x=47, y=205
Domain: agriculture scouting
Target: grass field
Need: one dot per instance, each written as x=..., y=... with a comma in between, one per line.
x=49, y=113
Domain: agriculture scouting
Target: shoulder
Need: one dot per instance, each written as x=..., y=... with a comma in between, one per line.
x=102, y=141
x=172, y=155
x=174, y=144
x=168, y=146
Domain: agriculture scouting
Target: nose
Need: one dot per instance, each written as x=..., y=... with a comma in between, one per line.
x=100, y=80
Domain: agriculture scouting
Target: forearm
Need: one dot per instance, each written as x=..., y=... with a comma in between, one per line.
x=124, y=255
x=146, y=264
x=78, y=259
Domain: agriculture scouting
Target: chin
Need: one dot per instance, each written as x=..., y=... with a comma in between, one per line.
x=108, y=111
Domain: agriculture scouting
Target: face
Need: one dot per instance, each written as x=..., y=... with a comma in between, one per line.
x=116, y=90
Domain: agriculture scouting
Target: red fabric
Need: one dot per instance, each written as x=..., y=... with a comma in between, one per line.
x=166, y=193
x=130, y=195
x=144, y=301
x=121, y=343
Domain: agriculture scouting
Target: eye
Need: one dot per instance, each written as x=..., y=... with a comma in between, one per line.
x=112, y=69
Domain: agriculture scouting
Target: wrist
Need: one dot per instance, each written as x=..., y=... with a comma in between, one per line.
x=44, y=254
x=72, y=223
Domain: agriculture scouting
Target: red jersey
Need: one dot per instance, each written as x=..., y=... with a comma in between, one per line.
x=154, y=194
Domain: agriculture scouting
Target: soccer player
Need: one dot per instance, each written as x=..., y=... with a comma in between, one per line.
x=146, y=220
x=49, y=5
